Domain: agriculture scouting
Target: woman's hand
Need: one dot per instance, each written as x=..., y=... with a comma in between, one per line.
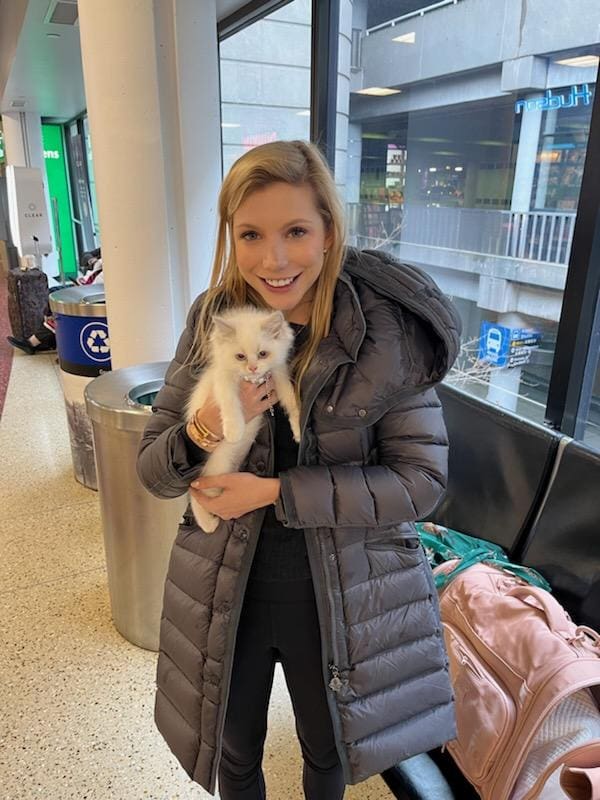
x=255, y=399
x=242, y=492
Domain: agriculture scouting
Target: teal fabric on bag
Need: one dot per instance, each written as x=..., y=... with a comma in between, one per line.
x=443, y=544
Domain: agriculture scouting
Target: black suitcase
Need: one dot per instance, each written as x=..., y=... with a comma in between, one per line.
x=27, y=300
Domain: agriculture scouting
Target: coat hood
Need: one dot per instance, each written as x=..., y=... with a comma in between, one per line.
x=413, y=289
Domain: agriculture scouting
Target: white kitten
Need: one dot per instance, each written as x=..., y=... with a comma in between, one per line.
x=245, y=344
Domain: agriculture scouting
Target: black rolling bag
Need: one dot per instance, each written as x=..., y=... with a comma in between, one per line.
x=27, y=300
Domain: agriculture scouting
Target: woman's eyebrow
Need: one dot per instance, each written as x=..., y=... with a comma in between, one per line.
x=287, y=224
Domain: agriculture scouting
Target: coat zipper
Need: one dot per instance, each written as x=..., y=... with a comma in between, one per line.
x=318, y=564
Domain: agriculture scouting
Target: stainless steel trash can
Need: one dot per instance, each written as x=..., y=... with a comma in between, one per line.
x=139, y=528
x=83, y=348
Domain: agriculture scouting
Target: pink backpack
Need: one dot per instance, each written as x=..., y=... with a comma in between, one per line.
x=527, y=686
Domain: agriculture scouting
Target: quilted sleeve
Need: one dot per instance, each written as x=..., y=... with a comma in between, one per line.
x=406, y=485
x=166, y=463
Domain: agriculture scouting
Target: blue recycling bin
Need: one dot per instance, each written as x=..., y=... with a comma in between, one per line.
x=83, y=347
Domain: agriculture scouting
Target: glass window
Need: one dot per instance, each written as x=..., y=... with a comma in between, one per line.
x=92, y=181
x=265, y=81
x=80, y=189
x=467, y=134
x=591, y=433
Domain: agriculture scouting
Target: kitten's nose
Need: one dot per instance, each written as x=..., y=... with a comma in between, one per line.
x=252, y=368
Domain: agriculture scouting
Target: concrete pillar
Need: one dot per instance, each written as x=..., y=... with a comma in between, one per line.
x=153, y=107
x=24, y=148
x=503, y=388
x=544, y=168
x=342, y=132
x=526, y=155
x=352, y=194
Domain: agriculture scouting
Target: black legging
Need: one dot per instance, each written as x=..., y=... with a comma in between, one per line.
x=278, y=623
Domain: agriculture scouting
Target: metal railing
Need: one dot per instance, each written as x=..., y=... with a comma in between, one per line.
x=420, y=12
x=534, y=236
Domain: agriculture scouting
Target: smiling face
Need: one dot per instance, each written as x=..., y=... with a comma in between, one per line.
x=279, y=237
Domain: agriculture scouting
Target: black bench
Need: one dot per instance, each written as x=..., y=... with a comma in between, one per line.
x=536, y=493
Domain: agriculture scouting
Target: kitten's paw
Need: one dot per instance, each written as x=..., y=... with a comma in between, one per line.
x=233, y=431
x=295, y=426
x=206, y=521
x=210, y=526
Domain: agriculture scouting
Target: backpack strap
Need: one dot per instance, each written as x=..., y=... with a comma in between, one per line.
x=558, y=622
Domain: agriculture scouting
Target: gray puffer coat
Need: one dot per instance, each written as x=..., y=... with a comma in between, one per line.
x=372, y=460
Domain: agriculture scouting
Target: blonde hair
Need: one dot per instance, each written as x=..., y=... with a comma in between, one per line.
x=297, y=163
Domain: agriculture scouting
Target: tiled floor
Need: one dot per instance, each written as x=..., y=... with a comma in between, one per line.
x=76, y=699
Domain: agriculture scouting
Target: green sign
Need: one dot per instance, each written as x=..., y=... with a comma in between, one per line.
x=60, y=201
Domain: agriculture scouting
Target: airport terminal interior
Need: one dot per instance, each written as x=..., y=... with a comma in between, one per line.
x=463, y=137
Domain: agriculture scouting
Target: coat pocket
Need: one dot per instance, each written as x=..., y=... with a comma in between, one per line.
x=393, y=551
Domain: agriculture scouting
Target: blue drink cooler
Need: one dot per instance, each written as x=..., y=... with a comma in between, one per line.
x=83, y=347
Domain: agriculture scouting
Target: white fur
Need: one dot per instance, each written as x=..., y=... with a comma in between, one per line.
x=246, y=330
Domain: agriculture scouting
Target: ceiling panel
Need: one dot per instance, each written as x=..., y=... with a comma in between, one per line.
x=43, y=74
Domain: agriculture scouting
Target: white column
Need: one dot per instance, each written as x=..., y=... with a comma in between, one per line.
x=154, y=117
x=526, y=154
x=353, y=179
x=342, y=132
x=24, y=148
x=544, y=173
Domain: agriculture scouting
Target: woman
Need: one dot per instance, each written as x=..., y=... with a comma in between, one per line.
x=316, y=562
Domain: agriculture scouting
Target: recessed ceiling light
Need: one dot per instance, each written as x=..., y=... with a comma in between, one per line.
x=230, y=125
x=378, y=91
x=303, y=113
x=406, y=38
x=580, y=61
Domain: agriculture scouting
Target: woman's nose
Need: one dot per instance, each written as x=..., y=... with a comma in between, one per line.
x=275, y=256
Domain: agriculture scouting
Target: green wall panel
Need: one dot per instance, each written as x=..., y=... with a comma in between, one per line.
x=58, y=187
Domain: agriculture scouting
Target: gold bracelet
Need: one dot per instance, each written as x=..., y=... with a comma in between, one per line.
x=204, y=431
x=199, y=440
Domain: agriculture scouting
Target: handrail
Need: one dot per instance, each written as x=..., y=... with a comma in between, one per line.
x=542, y=236
x=418, y=13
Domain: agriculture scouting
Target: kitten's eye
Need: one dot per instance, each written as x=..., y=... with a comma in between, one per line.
x=263, y=354
x=240, y=356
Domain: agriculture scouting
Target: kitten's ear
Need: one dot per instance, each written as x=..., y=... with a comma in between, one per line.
x=273, y=324
x=222, y=328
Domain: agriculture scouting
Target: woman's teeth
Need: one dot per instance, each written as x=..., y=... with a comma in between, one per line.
x=280, y=282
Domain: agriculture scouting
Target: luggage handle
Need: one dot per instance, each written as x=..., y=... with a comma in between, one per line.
x=556, y=617
x=580, y=783
x=580, y=777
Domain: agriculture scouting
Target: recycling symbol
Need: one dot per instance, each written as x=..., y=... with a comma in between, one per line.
x=95, y=342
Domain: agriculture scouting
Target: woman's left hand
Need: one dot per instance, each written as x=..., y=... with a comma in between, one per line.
x=242, y=492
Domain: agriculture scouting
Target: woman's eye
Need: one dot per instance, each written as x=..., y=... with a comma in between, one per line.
x=302, y=231
x=263, y=354
x=240, y=356
x=248, y=233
